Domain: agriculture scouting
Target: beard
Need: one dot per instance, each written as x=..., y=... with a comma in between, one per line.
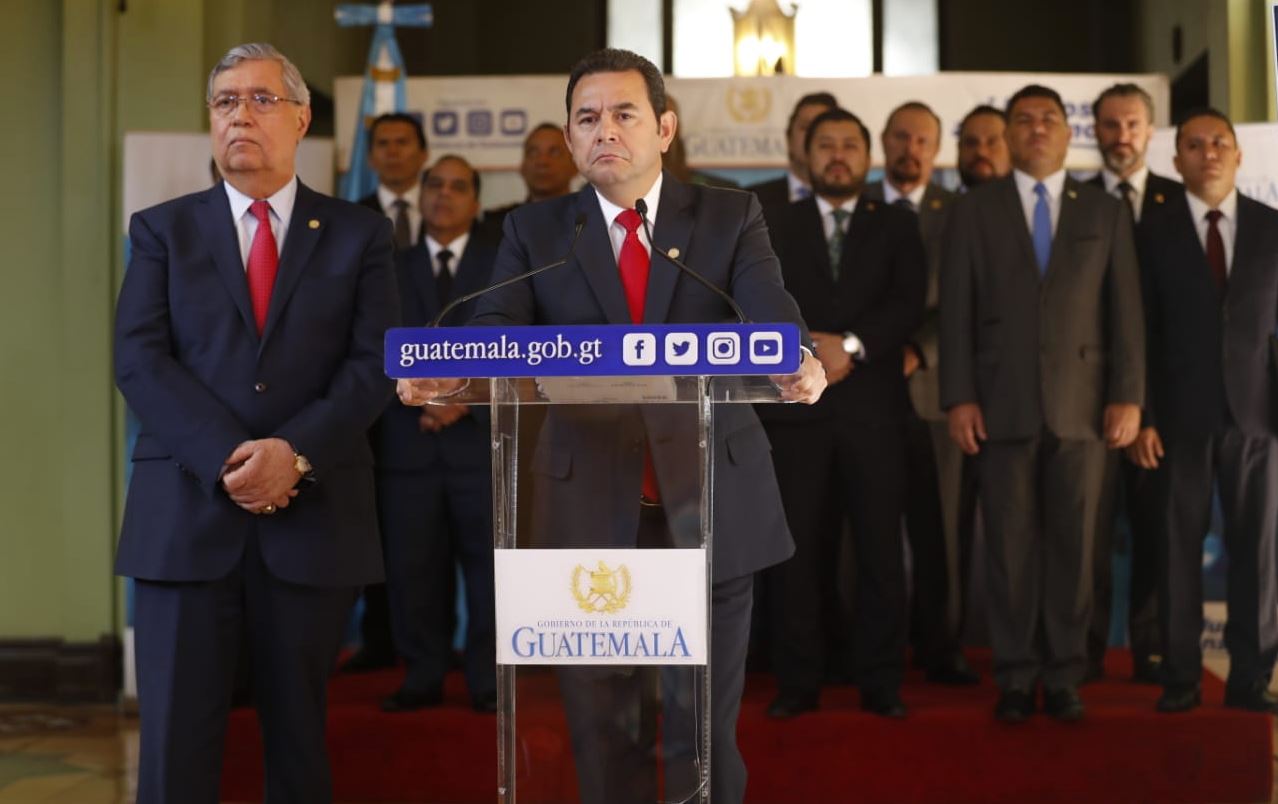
x=973, y=179
x=1120, y=163
x=905, y=171
x=837, y=188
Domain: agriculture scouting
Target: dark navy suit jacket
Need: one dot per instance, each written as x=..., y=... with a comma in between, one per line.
x=192, y=367
x=398, y=441
x=1210, y=360
x=588, y=467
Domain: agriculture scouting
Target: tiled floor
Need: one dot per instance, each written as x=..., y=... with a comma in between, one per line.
x=77, y=755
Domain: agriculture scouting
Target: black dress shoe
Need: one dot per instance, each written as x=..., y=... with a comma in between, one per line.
x=954, y=671
x=788, y=704
x=1146, y=671
x=884, y=703
x=408, y=700
x=1253, y=699
x=485, y=703
x=1063, y=704
x=1014, y=706
x=366, y=661
x=1179, y=699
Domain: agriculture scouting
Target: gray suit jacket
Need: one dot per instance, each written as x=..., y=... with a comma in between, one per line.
x=925, y=385
x=1049, y=352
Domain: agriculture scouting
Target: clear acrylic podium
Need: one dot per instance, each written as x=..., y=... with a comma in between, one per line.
x=604, y=703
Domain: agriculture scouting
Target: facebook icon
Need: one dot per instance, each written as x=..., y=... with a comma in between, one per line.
x=639, y=349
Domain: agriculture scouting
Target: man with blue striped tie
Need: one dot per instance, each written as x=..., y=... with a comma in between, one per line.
x=1042, y=361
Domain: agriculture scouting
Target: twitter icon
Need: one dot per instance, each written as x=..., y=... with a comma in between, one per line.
x=681, y=349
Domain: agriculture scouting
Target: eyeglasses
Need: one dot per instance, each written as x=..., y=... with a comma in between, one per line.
x=259, y=102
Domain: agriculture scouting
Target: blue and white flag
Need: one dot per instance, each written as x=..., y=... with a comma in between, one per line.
x=384, y=87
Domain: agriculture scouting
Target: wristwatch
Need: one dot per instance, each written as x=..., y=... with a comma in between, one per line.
x=852, y=345
x=302, y=466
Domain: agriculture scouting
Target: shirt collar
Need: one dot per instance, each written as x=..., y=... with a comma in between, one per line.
x=1198, y=208
x=891, y=194
x=457, y=247
x=281, y=203
x=387, y=197
x=825, y=207
x=651, y=198
x=1054, y=183
x=796, y=187
x=1136, y=180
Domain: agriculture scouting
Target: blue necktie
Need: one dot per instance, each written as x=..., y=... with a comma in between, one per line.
x=1042, y=233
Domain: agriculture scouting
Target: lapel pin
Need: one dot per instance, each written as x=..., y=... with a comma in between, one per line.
x=869, y=206
x=313, y=223
x=936, y=203
x=674, y=253
x=1071, y=193
x=1158, y=198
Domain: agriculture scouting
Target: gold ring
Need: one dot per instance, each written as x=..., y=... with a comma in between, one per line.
x=269, y=508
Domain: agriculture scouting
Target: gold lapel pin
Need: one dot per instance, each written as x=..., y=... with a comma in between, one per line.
x=313, y=223
x=869, y=206
x=1158, y=198
x=936, y=203
x=1071, y=193
x=674, y=253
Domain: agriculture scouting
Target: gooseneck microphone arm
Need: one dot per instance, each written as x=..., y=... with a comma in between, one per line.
x=578, y=225
x=641, y=207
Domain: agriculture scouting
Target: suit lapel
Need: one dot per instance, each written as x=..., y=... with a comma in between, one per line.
x=861, y=231
x=673, y=230
x=1013, y=211
x=417, y=271
x=595, y=258
x=812, y=230
x=1245, y=245
x=304, y=230
x=1066, y=225
x=223, y=242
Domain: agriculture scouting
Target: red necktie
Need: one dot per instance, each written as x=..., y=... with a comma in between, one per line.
x=1216, y=249
x=263, y=263
x=633, y=261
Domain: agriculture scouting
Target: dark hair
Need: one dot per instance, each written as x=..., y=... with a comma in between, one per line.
x=474, y=174
x=1124, y=90
x=1036, y=91
x=546, y=126
x=810, y=99
x=615, y=60
x=983, y=109
x=1204, y=111
x=914, y=106
x=836, y=115
x=397, y=117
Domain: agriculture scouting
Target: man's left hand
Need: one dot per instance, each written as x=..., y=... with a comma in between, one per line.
x=263, y=476
x=1122, y=424
x=805, y=385
x=912, y=360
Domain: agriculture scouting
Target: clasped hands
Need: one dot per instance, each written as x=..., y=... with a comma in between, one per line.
x=967, y=426
x=260, y=475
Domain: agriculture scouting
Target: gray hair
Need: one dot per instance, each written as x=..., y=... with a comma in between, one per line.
x=294, y=85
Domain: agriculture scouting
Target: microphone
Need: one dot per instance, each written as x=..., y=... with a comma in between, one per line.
x=578, y=225
x=641, y=207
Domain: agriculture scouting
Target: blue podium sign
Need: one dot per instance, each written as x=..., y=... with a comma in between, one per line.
x=593, y=351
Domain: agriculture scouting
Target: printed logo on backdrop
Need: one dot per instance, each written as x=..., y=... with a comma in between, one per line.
x=749, y=104
x=479, y=126
x=620, y=607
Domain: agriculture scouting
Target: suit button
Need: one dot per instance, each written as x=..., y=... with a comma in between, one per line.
x=259, y=387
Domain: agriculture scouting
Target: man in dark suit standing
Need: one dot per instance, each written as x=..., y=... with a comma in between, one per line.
x=249, y=344
x=434, y=475
x=546, y=168
x=397, y=152
x=1210, y=256
x=777, y=194
x=940, y=496
x=1124, y=124
x=857, y=269
x=617, y=128
x=1042, y=367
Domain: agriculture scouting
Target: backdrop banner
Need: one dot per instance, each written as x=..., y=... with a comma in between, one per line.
x=726, y=122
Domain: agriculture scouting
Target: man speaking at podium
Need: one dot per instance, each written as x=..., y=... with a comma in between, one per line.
x=618, y=127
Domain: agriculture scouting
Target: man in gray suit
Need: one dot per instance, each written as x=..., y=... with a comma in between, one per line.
x=1042, y=367
x=940, y=504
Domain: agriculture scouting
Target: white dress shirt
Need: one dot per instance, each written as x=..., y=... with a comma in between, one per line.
x=1228, y=224
x=1137, y=180
x=413, y=195
x=617, y=232
x=457, y=247
x=796, y=188
x=1055, y=185
x=246, y=225
x=891, y=194
x=827, y=215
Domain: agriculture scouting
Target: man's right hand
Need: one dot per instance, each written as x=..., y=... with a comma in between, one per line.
x=416, y=393
x=1147, y=450
x=967, y=427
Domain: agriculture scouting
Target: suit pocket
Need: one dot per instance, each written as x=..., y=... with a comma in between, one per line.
x=747, y=446
x=552, y=463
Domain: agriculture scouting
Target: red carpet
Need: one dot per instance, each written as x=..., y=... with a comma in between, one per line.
x=949, y=750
